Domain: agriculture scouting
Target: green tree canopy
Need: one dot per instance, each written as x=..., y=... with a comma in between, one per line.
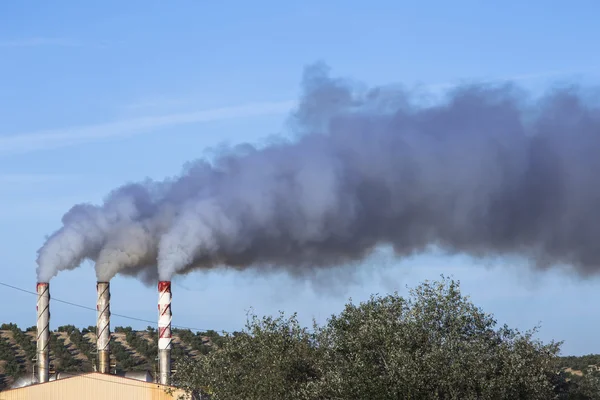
x=274, y=358
x=434, y=344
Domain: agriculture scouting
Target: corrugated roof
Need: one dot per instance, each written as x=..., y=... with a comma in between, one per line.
x=95, y=379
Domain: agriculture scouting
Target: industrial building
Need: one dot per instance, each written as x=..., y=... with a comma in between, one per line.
x=101, y=385
x=95, y=386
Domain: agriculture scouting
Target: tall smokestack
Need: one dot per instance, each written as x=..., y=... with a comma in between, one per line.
x=164, y=331
x=43, y=331
x=103, y=327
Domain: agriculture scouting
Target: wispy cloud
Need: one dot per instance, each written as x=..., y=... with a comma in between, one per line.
x=156, y=103
x=57, y=138
x=33, y=178
x=38, y=42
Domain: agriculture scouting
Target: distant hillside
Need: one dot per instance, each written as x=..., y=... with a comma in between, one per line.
x=74, y=350
x=578, y=367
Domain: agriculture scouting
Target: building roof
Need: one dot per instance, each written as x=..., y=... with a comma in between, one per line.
x=92, y=386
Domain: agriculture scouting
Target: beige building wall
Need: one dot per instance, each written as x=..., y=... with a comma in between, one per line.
x=93, y=386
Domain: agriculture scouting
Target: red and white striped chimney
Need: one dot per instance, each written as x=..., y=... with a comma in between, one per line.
x=164, y=331
x=103, y=327
x=43, y=331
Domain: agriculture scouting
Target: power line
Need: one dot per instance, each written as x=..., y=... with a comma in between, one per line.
x=94, y=309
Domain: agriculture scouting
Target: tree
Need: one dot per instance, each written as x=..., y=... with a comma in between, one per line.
x=435, y=344
x=573, y=387
x=273, y=359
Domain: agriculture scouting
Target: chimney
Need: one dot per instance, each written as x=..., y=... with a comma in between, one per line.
x=103, y=327
x=164, y=331
x=43, y=331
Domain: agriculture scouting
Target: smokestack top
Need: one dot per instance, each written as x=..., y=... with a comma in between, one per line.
x=164, y=286
x=41, y=288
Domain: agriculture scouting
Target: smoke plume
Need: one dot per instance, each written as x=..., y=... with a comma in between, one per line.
x=487, y=171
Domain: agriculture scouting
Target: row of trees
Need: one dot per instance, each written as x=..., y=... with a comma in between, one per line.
x=62, y=356
x=84, y=346
x=148, y=349
x=63, y=359
x=12, y=365
x=25, y=342
x=67, y=362
x=141, y=345
x=125, y=361
x=588, y=364
x=202, y=342
x=22, y=339
x=435, y=344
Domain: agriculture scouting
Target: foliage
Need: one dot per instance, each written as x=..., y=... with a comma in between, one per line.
x=435, y=344
x=83, y=346
x=89, y=329
x=62, y=356
x=574, y=387
x=63, y=359
x=200, y=341
x=13, y=367
x=125, y=362
x=213, y=337
x=585, y=364
x=178, y=353
x=67, y=328
x=274, y=358
x=123, y=329
x=581, y=377
x=142, y=346
x=24, y=341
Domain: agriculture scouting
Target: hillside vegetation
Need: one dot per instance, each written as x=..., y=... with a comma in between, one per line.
x=74, y=350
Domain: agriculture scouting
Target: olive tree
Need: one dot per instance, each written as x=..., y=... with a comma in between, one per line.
x=433, y=344
x=273, y=358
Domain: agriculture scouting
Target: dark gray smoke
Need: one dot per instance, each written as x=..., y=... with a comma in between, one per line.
x=485, y=172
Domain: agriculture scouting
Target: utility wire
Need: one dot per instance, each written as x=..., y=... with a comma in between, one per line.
x=94, y=309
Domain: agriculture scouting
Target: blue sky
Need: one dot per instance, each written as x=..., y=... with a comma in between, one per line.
x=98, y=94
